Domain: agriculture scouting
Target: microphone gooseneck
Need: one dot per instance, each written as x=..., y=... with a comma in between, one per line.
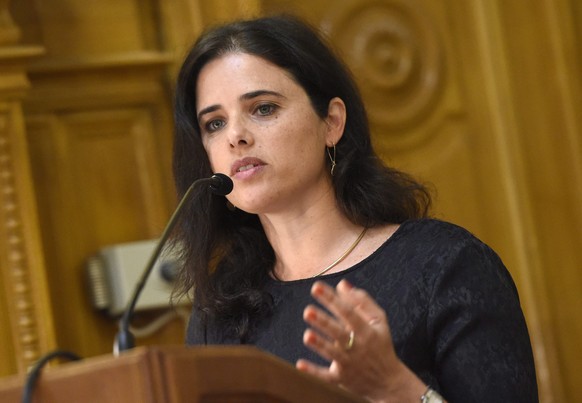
x=220, y=185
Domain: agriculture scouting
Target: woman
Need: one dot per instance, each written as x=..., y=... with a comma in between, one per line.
x=397, y=307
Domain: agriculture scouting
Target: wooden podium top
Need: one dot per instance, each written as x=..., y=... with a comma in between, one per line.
x=177, y=374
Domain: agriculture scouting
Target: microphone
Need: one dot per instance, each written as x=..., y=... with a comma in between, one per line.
x=220, y=185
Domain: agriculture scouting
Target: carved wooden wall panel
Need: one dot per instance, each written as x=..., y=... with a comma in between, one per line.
x=403, y=60
x=100, y=181
x=99, y=128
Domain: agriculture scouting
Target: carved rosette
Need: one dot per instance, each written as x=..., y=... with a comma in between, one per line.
x=393, y=49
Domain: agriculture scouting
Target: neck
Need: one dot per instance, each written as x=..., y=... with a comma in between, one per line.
x=306, y=246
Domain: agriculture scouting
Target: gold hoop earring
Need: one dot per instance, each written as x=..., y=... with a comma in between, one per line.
x=332, y=159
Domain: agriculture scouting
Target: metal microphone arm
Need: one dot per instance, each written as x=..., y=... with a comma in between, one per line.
x=124, y=340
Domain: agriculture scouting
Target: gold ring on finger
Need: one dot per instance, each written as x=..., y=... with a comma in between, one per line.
x=351, y=341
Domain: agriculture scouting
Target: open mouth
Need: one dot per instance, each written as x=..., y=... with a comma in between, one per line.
x=246, y=167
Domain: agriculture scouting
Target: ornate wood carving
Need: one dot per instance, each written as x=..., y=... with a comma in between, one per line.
x=393, y=48
x=29, y=323
x=27, y=319
x=24, y=325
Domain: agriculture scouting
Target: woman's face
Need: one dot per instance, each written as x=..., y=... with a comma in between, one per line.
x=259, y=127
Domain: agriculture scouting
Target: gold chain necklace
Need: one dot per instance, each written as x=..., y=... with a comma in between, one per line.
x=344, y=255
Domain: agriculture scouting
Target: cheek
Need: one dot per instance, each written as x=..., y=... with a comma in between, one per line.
x=212, y=152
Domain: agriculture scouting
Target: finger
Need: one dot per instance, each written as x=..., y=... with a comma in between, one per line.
x=322, y=346
x=324, y=323
x=366, y=306
x=337, y=304
x=316, y=370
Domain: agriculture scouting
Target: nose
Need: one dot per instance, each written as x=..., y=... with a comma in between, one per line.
x=238, y=134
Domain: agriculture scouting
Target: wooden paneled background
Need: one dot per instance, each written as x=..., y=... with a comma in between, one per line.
x=481, y=98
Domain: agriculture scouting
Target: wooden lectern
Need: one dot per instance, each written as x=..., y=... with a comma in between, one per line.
x=177, y=375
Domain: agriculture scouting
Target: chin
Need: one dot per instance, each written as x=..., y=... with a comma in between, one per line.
x=256, y=202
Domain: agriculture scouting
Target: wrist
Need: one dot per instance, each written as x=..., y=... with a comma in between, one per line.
x=403, y=386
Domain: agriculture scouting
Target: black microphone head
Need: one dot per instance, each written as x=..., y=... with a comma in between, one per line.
x=221, y=184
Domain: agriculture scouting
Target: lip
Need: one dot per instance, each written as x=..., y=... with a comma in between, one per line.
x=256, y=162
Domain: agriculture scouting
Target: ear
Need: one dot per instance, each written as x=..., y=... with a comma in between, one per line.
x=336, y=121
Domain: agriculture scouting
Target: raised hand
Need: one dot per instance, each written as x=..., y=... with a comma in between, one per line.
x=356, y=340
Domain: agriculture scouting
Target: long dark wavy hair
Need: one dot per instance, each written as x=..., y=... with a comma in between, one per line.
x=227, y=257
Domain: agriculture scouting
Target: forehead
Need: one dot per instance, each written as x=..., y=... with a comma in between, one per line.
x=239, y=73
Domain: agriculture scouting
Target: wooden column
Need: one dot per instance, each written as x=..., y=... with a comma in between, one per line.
x=25, y=315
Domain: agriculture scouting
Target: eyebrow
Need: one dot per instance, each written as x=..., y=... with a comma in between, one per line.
x=243, y=97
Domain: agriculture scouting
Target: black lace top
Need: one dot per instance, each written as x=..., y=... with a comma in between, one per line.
x=452, y=307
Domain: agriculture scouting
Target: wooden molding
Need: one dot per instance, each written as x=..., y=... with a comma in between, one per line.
x=28, y=319
x=20, y=250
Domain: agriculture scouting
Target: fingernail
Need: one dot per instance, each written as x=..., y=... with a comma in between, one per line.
x=310, y=315
x=317, y=289
x=309, y=337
